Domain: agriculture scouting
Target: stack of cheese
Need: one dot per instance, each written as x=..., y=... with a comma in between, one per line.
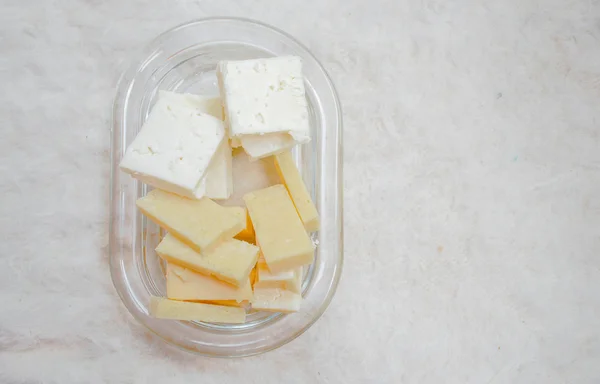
x=183, y=148
x=222, y=261
x=265, y=105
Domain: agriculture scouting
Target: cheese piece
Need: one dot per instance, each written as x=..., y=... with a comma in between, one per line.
x=283, y=240
x=162, y=308
x=290, y=280
x=185, y=284
x=174, y=147
x=217, y=183
x=247, y=234
x=264, y=96
x=276, y=300
x=201, y=224
x=230, y=261
x=292, y=179
x=259, y=146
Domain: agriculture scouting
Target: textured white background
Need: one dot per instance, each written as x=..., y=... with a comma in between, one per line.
x=472, y=193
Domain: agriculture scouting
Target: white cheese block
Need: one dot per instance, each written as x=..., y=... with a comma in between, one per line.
x=264, y=96
x=174, y=148
x=259, y=146
x=218, y=181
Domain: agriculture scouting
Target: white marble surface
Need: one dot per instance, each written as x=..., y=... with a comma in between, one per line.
x=472, y=204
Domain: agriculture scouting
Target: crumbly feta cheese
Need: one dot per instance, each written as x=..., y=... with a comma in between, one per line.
x=264, y=96
x=174, y=148
x=218, y=180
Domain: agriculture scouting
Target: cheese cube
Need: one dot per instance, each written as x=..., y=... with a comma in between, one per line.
x=185, y=284
x=264, y=96
x=259, y=146
x=162, y=308
x=174, y=148
x=201, y=224
x=283, y=240
x=276, y=300
x=217, y=183
x=230, y=261
x=292, y=179
x=290, y=280
x=247, y=234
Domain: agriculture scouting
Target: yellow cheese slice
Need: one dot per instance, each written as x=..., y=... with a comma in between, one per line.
x=283, y=240
x=276, y=300
x=292, y=179
x=201, y=224
x=185, y=284
x=290, y=280
x=162, y=308
x=231, y=261
x=247, y=234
